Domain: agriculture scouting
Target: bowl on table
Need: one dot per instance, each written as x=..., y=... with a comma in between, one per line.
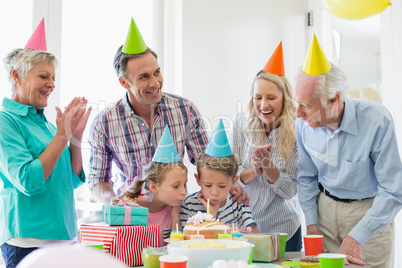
x=211, y=250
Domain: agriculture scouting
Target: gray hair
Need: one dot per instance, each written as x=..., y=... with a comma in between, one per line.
x=120, y=60
x=326, y=85
x=23, y=60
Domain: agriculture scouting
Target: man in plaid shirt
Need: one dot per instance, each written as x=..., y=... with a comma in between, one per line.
x=127, y=132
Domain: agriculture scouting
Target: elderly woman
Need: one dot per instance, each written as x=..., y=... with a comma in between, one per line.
x=38, y=170
x=264, y=142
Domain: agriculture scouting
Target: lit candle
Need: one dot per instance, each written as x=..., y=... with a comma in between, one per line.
x=207, y=206
x=176, y=235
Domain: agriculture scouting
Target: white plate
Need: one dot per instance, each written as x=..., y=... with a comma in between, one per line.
x=167, y=240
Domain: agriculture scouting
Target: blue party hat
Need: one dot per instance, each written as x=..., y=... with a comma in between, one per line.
x=218, y=145
x=166, y=150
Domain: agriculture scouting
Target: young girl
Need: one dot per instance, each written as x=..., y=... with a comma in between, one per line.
x=161, y=190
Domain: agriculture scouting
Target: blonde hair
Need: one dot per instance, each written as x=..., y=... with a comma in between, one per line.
x=226, y=165
x=154, y=172
x=256, y=128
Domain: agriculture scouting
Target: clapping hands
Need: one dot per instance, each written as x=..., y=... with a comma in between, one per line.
x=72, y=122
x=262, y=163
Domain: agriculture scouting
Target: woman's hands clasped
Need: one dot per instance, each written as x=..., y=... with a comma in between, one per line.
x=72, y=122
x=262, y=163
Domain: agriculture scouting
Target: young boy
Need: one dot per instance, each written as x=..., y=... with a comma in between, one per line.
x=216, y=173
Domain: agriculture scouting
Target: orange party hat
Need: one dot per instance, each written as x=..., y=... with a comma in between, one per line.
x=275, y=64
x=38, y=38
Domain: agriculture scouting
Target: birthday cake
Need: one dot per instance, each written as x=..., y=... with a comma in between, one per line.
x=204, y=224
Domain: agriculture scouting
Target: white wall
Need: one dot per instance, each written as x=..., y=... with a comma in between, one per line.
x=224, y=44
x=391, y=43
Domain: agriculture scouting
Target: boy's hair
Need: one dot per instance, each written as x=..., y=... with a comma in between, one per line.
x=154, y=172
x=226, y=165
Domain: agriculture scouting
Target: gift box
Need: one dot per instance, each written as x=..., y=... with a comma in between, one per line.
x=267, y=246
x=123, y=242
x=125, y=215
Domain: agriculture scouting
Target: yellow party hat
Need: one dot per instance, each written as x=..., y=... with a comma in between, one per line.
x=316, y=62
x=134, y=42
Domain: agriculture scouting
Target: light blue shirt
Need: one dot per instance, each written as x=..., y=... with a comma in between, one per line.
x=359, y=160
x=29, y=205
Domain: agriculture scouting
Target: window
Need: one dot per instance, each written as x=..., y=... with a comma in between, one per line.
x=15, y=32
x=91, y=33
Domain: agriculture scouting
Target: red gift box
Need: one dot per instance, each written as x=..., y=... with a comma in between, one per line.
x=123, y=242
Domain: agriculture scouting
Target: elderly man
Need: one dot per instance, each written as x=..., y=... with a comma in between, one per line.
x=127, y=132
x=350, y=171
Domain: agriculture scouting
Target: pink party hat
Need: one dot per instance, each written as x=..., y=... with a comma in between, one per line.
x=38, y=37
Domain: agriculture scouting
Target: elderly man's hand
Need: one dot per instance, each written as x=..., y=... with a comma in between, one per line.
x=353, y=251
x=313, y=230
x=239, y=195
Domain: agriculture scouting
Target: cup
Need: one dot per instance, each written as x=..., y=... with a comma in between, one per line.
x=250, y=259
x=93, y=244
x=151, y=260
x=332, y=260
x=313, y=244
x=283, y=245
x=173, y=261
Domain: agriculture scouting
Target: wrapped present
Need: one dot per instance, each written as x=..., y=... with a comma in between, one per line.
x=123, y=242
x=125, y=215
x=267, y=246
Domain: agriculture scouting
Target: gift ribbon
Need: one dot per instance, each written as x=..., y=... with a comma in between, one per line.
x=127, y=210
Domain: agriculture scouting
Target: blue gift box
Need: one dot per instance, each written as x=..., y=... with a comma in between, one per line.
x=125, y=215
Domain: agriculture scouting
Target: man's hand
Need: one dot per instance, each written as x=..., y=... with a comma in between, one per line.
x=103, y=192
x=313, y=230
x=353, y=251
x=239, y=195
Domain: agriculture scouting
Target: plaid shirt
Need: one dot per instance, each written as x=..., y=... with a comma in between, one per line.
x=120, y=137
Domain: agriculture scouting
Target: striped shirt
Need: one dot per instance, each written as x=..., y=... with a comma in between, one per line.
x=231, y=212
x=119, y=136
x=275, y=206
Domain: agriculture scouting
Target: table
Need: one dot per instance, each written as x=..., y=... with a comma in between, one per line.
x=288, y=255
x=293, y=255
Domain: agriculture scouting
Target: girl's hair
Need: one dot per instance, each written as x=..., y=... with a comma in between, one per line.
x=226, y=165
x=154, y=172
x=23, y=60
x=256, y=128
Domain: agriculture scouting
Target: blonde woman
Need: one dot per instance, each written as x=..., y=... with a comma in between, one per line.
x=263, y=140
